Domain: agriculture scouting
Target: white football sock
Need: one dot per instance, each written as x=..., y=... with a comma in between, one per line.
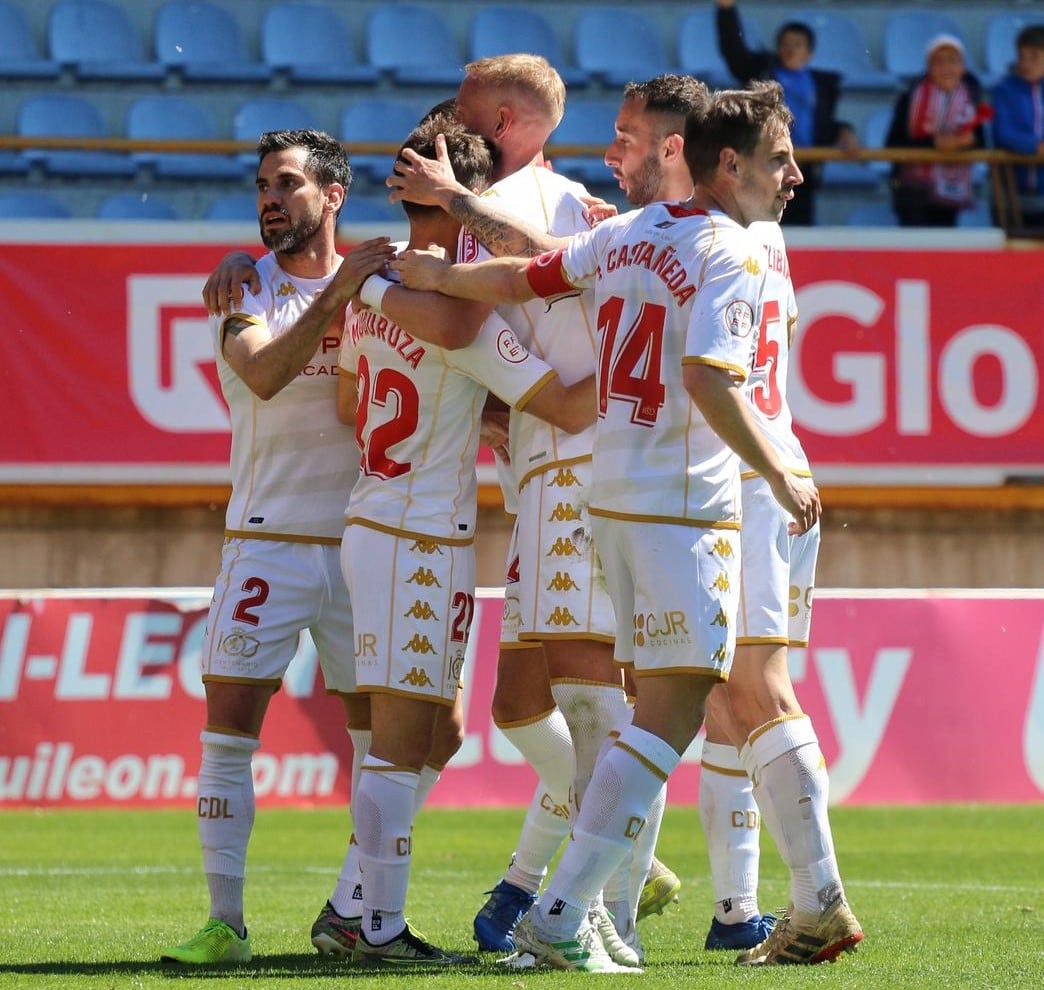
x=383, y=826
x=225, y=818
x=730, y=819
x=591, y=711
x=626, y=781
x=548, y=748
x=346, y=899
x=790, y=774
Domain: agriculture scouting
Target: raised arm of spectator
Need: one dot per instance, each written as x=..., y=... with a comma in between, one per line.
x=743, y=62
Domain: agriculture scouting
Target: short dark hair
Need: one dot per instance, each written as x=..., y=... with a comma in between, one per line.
x=1031, y=36
x=326, y=161
x=732, y=118
x=798, y=27
x=469, y=154
x=670, y=96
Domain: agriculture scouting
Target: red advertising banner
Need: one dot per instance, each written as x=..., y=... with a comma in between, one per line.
x=101, y=704
x=910, y=366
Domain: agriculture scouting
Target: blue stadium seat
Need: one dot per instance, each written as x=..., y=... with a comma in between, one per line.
x=170, y=117
x=328, y=58
x=906, y=35
x=370, y=209
x=412, y=45
x=267, y=113
x=376, y=119
x=32, y=204
x=616, y=45
x=503, y=30
x=874, y=134
x=97, y=40
x=136, y=206
x=590, y=122
x=980, y=215
x=202, y=42
x=20, y=56
x=842, y=48
x=237, y=206
x=872, y=215
x=698, y=52
x=1001, y=31
x=67, y=115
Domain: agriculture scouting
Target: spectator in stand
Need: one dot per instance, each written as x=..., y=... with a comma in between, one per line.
x=1018, y=123
x=811, y=94
x=941, y=111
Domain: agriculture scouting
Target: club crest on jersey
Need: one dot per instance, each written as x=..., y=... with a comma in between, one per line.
x=510, y=348
x=739, y=318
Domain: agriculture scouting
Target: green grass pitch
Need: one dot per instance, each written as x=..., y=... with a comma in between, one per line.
x=948, y=896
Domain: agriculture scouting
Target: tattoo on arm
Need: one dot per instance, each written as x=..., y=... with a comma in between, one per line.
x=498, y=234
x=235, y=325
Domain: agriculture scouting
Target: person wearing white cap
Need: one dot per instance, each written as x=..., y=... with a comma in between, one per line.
x=941, y=111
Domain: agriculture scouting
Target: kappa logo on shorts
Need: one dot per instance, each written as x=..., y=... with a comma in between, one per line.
x=721, y=619
x=721, y=582
x=420, y=610
x=564, y=512
x=720, y=654
x=561, y=616
x=425, y=577
x=418, y=644
x=563, y=548
x=564, y=478
x=418, y=677
x=425, y=546
x=723, y=548
x=562, y=582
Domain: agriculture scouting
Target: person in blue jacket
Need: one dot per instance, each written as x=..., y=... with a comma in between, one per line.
x=811, y=94
x=1018, y=121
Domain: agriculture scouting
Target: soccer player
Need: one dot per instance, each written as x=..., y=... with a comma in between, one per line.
x=679, y=291
x=292, y=465
x=411, y=519
x=646, y=157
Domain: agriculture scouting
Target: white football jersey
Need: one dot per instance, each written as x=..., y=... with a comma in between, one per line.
x=767, y=385
x=418, y=421
x=672, y=286
x=293, y=464
x=562, y=335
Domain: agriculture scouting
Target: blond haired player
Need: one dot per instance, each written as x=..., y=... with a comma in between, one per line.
x=408, y=546
x=292, y=464
x=679, y=289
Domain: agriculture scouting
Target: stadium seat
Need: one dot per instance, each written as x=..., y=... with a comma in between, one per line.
x=264, y=113
x=202, y=42
x=20, y=56
x=906, y=35
x=1001, y=31
x=68, y=115
x=842, y=48
x=412, y=45
x=381, y=120
x=136, y=206
x=97, y=40
x=616, y=45
x=872, y=215
x=238, y=206
x=13, y=163
x=171, y=117
x=874, y=134
x=503, y=30
x=980, y=215
x=328, y=58
x=31, y=204
x=590, y=122
x=698, y=52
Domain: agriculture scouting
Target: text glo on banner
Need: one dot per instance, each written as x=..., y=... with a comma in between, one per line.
x=101, y=705
x=904, y=367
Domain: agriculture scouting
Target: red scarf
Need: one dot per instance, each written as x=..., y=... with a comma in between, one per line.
x=936, y=111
